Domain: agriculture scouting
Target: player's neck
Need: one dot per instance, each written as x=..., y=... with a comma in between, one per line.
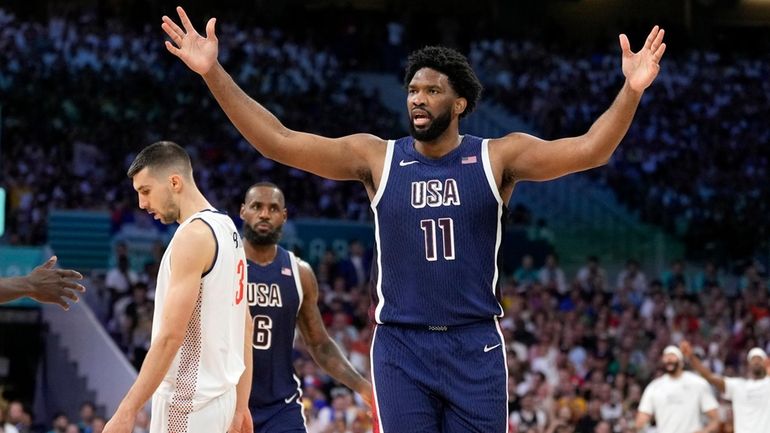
x=676, y=375
x=445, y=143
x=260, y=254
x=192, y=204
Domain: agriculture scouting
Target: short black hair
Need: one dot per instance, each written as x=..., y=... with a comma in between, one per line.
x=265, y=184
x=454, y=65
x=163, y=154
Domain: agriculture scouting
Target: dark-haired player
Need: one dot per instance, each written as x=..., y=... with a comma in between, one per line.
x=438, y=358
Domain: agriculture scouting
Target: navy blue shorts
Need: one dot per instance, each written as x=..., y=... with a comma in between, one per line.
x=280, y=417
x=440, y=380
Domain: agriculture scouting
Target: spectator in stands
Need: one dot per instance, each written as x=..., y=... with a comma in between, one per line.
x=592, y=278
x=750, y=396
x=633, y=277
x=59, y=423
x=526, y=274
x=121, y=277
x=552, y=276
x=5, y=425
x=357, y=266
x=677, y=399
x=86, y=414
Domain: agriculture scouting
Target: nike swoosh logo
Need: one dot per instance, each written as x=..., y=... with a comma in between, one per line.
x=403, y=163
x=288, y=400
x=487, y=348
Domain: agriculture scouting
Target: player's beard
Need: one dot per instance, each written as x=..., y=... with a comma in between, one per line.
x=436, y=127
x=758, y=371
x=261, y=239
x=171, y=214
x=671, y=367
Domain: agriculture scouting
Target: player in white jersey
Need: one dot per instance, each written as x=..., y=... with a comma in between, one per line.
x=198, y=368
x=677, y=399
x=750, y=397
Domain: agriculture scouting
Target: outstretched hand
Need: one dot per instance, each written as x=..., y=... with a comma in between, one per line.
x=686, y=349
x=641, y=68
x=54, y=286
x=197, y=52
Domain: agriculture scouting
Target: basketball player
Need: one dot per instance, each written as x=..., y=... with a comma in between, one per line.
x=677, y=398
x=44, y=284
x=750, y=397
x=282, y=293
x=437, y=356
x=200, y=345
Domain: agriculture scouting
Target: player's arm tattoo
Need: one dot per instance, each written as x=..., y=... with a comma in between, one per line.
x=322, y=348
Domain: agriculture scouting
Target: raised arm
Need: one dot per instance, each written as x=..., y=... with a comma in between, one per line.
x=524, y=157
x=322, y=348
x=192, y=254
x=696, y=365
x=346, y=158
x=44, y=284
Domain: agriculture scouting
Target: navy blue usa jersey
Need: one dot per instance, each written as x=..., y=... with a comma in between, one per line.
x=274, y=296
x=438, y=225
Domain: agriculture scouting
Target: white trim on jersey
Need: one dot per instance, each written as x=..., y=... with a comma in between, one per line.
x=380, y=429
x=385, y=173
x=493, y=186
x=375, y=200
x=505, y=362
x=297, y=281
x=298, y=400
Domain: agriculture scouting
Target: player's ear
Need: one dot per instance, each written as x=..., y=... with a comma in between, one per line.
x=285, y=215
x=243, y=208
x=459, y=105
x=176, y=182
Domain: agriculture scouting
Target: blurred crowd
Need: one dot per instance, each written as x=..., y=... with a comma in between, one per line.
x=79, y=99
x=695, y=159
x=580, y=347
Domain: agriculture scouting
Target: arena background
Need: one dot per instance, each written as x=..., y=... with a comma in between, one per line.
x=601, y=269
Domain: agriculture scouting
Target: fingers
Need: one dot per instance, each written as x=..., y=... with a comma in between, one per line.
x=185, y=20
x=625, y=46
x=658, y=54
x=210, y=29
x=172, y=49
x=176, y=37
x=172, y=26
x=50, y=263
x=651, y=37
x=70, y=274
x=658, y=40
x=74, y=286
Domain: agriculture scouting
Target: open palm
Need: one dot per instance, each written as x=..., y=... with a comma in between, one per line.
x=197, y=52
x=641, y=68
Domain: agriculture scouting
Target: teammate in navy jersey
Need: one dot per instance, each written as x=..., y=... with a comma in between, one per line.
x=437, y=357
x=282, y=292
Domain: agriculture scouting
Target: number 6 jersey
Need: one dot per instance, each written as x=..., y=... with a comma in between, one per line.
x=274, y=295
x=437, y=229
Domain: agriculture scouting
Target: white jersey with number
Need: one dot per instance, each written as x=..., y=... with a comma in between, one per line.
x=678, y=403
x=751, y=403
x=210, y=360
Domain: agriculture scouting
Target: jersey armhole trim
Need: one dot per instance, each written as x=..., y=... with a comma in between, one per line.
x=216, y=246
x=385, y=173
x=297, y=279
x=488, y=170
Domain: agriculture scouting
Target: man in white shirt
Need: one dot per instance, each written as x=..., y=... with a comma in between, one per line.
x=750, y=396
x=677, y=399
